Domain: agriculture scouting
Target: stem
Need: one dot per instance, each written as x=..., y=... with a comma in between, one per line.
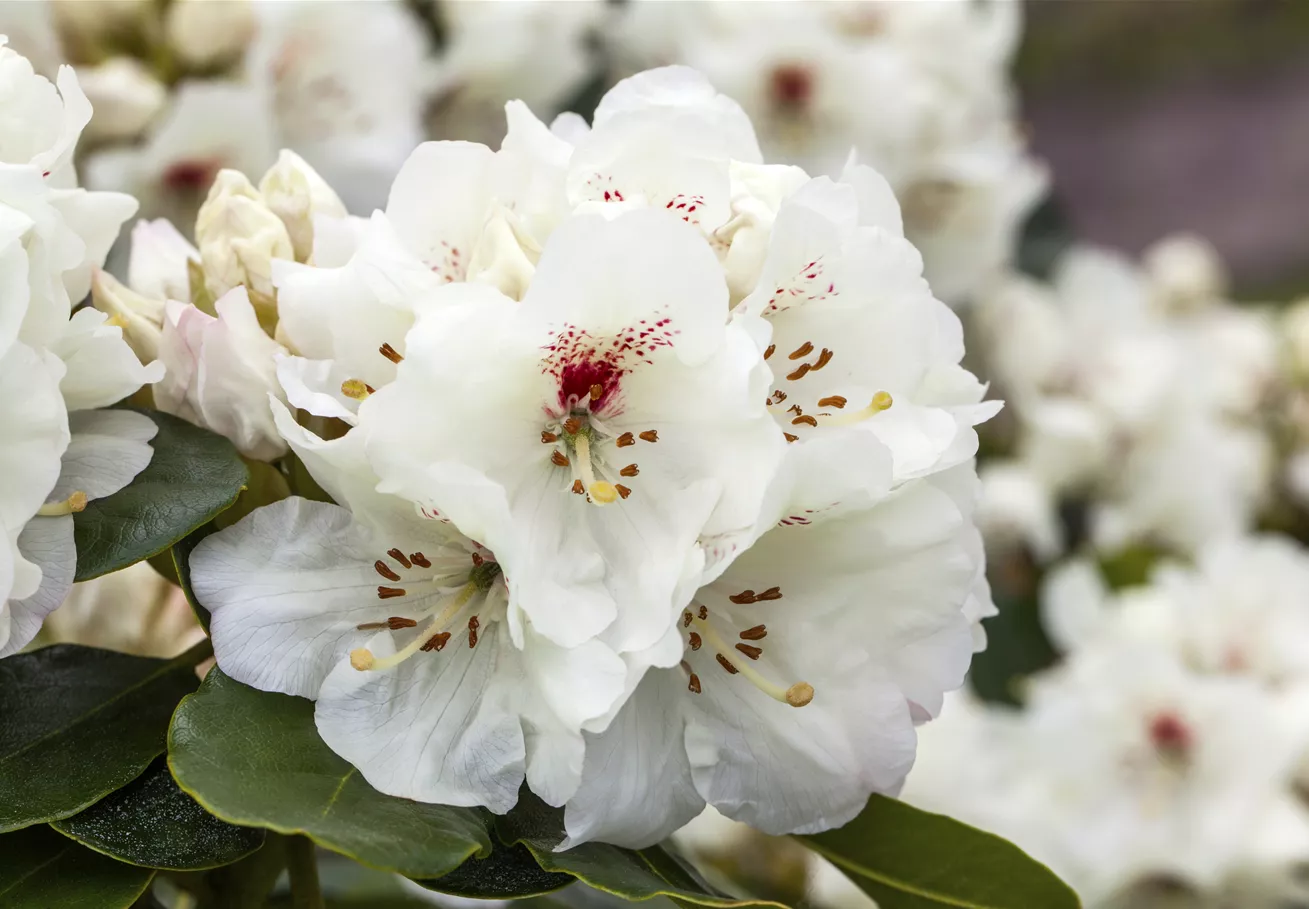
x=302, y=866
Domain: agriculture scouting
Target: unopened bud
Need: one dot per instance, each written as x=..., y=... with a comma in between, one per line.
x=207, y=33
x=125, y=96
x=239, y=236
x=295, y=192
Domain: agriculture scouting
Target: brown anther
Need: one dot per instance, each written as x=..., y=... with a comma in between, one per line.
x=752, y=652
x=386, y=593
x=558, y=458
x=435, y=642
x=371, y=626
x=420, y=560
x=757, y=633
x=396, y=622
x=650, y=435
x=572, y=426
x=693, y=684
x=772, y=593
x=823, y=359
x=478, y=560
x=630, y=470
x=832, y=401
x=625, y=439
x=727, y=664
x=385, y=571
x=596, y=391
x=548, y=438
x=400, y=557
x=799, y=372
x=473, y=625
x=801, y=351
x=806, y=419
x=704, y=613
x=623, y=491
x=578, y=488
x=791, y=437
x=779, y=395
x=769, y=352
x=686, y=619
x=694, y=640
x=389, y=352
x=744, y=598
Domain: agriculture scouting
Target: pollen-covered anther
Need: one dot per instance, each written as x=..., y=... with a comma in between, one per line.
x=693, y=684
x=802, y=351
x=790, y=437
x=356, y=390
x=630, y=470
x=596, y=391
x=578, y=488
x=744, y=598
x=805, y=420
x=824, y=357
x=694, y=640
x=400, y=557
x=625, y=440
x=772, y=593
x=387, y=593
x=757, y=633
x=623, y=491
x=558, y=458
x=650, y=435
x=478, y=560
x=769, y=352
x=687, y=618
x=750, y=650
x=832, y=401
x=473, y=625
x=396, y=622
x=727, y=664
x=572, y=426
x=420, y=560
x=390, y=353
x=548, y=438
x=435, y=642
x=704, y=613
x=385, y=571
x=799, y=372
x=71, y=505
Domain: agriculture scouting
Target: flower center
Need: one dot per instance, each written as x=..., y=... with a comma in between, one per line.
x=792, y=87
x=820, y=413
x=1170, y=736
x=579, y=443
x=738, y=658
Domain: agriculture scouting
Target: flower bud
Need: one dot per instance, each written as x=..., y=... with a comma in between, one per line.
x=239, y=236
x=157, y=265
x=140, y=317
x=125, y=97
x=206, y=33
x=86, y=30
x=1186, y=272
x=295, y=192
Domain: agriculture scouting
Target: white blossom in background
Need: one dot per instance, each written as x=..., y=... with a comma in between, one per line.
x=569, y=477
x=823, y=79
x=59, y=451
x=1140, y=389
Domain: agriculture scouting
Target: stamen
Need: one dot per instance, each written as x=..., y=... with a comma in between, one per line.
x=625, y=439
x=650, y=435
x=579, y=488
x=757, y=633
x=823, y=359
x=791, y=437
x=572, y=426
x=478, y=560
x=387, y=593
x=693, y=684
x=389, y=352
x=396, y=622
x=880, y=402
x=832, y=401
x=805, y=419
x=623, y=491
x=797, y=695
x=420, y=560
x=385, y=571
x=400, y=557
x=630, y=470
x=704, y=613
x=362, y=658
x=548, y=438
x=694, y=640
x=71, y=505
x=435, y=642
x=799, y=372
x=356, y=390
x=687, y=618
x=473, y=625
x=558, y=458
x=744, y=598
x=801, y=351
x=752, y=652
x=769, y=352
x=772, y=593
x=601, y=493
x=596, y=392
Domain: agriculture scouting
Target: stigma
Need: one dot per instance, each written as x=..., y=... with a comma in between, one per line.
x=71, y=505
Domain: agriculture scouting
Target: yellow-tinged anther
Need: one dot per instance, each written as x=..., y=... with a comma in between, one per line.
x=362, y=659
x=355, y=389
x=71, y=505
x=880, y=402
x=796, y=695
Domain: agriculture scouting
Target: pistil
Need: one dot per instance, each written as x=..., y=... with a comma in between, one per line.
x=71, y=505
x=797, y=695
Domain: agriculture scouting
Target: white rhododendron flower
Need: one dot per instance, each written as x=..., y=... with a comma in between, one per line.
x=58, y=450
x=821, y=79
x=569, y=479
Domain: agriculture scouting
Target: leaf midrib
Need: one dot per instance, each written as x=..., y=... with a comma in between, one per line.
x=893, y=883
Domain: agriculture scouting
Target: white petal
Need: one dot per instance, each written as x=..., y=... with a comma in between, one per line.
x=636, y=783
x=47, y=543
x=102, y=369
x=96, y=217
x=108, y=449
x=315, y=386
x=436, y=728
x=439, y=201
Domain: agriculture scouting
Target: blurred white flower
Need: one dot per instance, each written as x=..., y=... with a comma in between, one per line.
x=126, y=97
x=204, y=33
x=135, y=610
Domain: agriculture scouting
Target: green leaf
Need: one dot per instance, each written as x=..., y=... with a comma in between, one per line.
x=76, y=723
x=508, y=873
x=39, y=869
x=255, y=759
x=909, y=859
x=193, y=476
x=152, y=823
x=181, y=556
x=631, y=874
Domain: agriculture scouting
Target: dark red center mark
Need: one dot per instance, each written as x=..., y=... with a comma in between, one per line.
x=191, y=176
x=792, y=85
x=591, y=369
x=1170, y=735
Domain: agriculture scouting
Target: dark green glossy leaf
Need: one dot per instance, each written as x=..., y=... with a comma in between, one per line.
x=76, y=723
x=39, y=869
x=508, y=873
x=153, y=823
x=909, y=859
x=255, y=759
x=193, y=476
